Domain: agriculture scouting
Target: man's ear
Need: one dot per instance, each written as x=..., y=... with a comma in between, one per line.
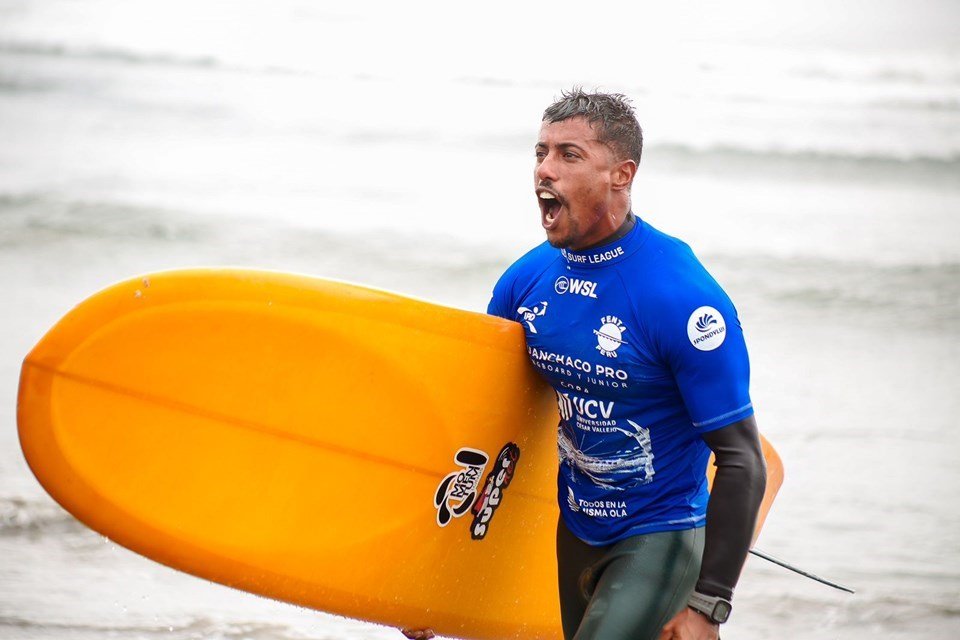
x=623, y=175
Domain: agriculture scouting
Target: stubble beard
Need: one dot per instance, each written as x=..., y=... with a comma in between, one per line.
x=564, y=241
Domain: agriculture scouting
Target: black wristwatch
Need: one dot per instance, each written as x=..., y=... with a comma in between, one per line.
x=715, y=608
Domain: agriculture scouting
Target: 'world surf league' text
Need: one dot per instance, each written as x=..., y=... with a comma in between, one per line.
x=594, y=258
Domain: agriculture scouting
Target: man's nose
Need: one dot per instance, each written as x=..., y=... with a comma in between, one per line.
x=546, y=169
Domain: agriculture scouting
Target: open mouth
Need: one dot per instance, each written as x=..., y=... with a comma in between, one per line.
x=550, y=207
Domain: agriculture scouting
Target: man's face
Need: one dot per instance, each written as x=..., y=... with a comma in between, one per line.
x=574, y=181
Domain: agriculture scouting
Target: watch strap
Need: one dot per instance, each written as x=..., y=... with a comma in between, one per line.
x=715, y=608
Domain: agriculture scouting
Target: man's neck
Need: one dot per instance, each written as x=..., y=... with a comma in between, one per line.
x=624, y=229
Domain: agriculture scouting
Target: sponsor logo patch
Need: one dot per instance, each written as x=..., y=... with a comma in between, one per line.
x=588, y=407
x=494, y=487
x=530, y=315
x=610, y=336
x=457, y=492
x=585, y=288
x=706, y=328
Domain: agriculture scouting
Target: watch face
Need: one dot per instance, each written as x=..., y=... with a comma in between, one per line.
x=721, y=611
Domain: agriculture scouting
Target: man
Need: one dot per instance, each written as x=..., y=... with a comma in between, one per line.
x=647, y=357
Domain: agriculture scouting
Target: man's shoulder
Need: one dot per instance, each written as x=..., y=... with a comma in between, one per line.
x=519, y=276
x=667, y=251
x=664, y=262
x=669, y=273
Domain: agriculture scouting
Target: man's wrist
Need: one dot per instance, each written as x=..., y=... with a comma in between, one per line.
x=715, y=608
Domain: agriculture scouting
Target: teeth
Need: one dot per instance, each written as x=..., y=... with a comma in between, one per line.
x=546, y=196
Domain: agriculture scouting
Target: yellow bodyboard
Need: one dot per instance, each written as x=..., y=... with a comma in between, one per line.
x=329, y=445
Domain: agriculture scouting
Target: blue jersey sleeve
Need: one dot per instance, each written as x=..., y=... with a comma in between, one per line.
x=517, y=278
x=501, y=301
x=699, y=335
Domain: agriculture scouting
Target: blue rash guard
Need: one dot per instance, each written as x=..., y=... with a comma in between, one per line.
x=645, y=353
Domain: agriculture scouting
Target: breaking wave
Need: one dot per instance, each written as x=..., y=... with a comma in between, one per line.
x=112, y=54
x=19, y=516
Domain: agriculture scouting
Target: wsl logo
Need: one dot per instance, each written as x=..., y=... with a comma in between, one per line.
x=530, y=315
x=585, y=288
x=610, y=336
x=706, y=329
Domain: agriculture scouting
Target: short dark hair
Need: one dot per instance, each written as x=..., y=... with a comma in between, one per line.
x=610, y=114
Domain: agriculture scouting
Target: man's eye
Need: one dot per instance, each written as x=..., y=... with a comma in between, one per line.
x=570, y=155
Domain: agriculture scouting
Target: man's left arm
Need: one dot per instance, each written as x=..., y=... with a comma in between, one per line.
x=738, y=488
x=698, y=332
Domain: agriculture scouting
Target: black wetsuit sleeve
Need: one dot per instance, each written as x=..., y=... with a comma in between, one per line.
x=738, y=487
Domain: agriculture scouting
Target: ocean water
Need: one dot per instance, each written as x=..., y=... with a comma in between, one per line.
x=810, y=154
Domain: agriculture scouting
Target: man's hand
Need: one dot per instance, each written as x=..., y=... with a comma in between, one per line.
x=417, y=634
x=690, y=625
